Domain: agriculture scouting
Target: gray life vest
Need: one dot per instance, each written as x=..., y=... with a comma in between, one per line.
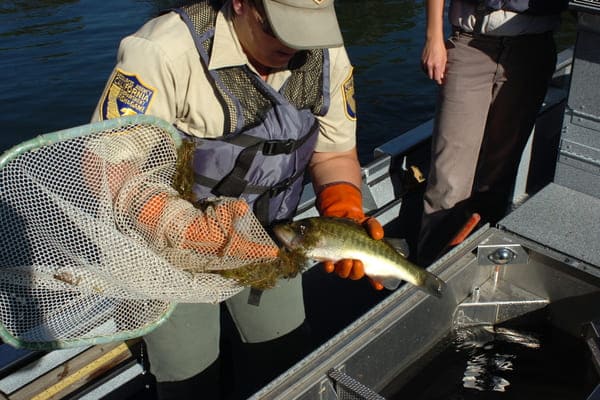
x=268, y=137
x=535, y=7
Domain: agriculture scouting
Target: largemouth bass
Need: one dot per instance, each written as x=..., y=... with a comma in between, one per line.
x=334, y=239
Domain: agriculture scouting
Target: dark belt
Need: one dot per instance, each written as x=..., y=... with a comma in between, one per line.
x=462, y=32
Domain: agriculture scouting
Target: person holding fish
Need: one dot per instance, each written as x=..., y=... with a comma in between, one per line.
x=262, y=91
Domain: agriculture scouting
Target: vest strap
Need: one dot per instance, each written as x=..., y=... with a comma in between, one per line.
x=261, y=204
x=235, y=184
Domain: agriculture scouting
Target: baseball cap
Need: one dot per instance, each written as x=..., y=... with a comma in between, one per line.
x=304, y=24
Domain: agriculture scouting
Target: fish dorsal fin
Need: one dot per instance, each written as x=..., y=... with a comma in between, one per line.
x=400, y=245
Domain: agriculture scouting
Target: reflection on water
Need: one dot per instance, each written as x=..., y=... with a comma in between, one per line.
x=494, y=362
x=55, y=57
x=486, y=368
x=384, y=42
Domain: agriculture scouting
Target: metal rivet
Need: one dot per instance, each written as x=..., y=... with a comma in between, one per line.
x=502, y=256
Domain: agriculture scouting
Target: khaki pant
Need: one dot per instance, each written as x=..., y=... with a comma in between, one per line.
x=487, y=106
x=188, y=341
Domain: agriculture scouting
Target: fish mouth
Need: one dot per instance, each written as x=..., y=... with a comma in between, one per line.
x=285, y=235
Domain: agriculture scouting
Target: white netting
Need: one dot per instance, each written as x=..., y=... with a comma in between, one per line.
x=96, y=245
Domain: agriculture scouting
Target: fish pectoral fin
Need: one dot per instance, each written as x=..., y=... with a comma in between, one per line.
x=389, y=282
x=400, y=245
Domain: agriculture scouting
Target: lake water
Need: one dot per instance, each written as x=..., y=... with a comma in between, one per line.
x=56, y=55
x=534, y=362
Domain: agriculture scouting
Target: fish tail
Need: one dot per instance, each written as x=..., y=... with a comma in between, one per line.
x=433, y=285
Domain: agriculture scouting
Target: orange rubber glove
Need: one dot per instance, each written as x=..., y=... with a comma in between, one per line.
x=167, y=218
x=344, y=200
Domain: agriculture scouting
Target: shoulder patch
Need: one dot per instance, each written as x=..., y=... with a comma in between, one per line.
x=349, y=101
x=127, y=94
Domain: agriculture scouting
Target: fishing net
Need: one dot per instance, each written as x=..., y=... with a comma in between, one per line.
x=96, y=244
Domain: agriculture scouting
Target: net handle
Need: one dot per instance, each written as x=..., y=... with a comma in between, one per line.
x=9, y=338
x=87, y=129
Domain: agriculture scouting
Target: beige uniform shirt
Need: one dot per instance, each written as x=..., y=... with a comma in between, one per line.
x=159, y=72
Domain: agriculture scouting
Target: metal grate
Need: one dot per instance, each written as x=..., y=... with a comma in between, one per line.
x=585, y=5
x=348, y=388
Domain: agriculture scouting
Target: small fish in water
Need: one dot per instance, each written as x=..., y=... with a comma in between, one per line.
x=334, y=239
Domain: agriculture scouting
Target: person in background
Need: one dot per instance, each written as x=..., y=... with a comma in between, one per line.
x=493, y=73
x=261, y=90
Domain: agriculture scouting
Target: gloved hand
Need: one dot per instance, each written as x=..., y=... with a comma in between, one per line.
x=165, y=219
x=344, y=200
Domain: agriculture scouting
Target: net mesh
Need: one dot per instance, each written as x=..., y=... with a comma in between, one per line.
x=97, y=246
